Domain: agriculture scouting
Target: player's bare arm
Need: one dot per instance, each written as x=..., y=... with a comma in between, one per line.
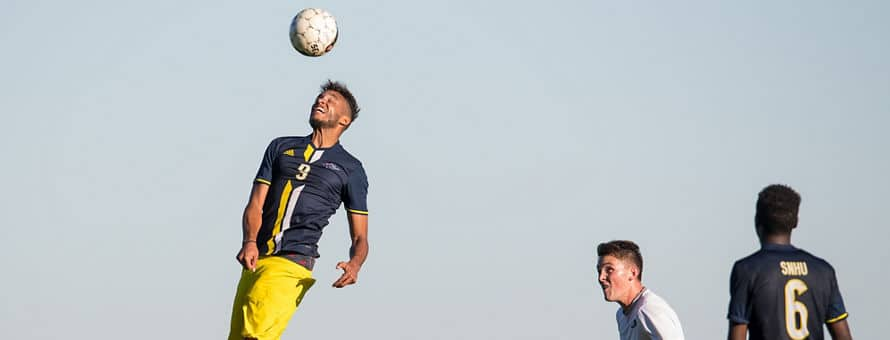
x=737, y=331
x=358, y=252
x=250, y=223
x=840, y=330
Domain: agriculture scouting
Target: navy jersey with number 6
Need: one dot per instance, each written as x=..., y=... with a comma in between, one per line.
x=306, y=186
x=782, y=292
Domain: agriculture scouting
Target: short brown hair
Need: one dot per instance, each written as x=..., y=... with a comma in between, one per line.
x=623, y=250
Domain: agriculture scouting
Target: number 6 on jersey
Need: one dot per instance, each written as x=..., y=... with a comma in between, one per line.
x=795, y=310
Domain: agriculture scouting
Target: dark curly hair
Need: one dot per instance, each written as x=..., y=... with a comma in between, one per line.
x=623, y=250
x=340, y=88
x=777, y=207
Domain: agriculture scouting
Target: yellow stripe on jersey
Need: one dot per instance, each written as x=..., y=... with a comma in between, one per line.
x=838, y=318
x=308, y=153
x=263, y=181
x=278, y=219
x=360, y=212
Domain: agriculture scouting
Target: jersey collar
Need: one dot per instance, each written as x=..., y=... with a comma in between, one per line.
x=776, y=246
x=315, y=147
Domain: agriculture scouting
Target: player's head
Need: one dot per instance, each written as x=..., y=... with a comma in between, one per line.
x=620, y=269
x=777, y=207
x=334, y=107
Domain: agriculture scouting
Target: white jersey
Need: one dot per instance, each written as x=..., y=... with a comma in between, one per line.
x=649, y=317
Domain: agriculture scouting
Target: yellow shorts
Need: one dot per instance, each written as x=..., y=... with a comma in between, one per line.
x=267, y=298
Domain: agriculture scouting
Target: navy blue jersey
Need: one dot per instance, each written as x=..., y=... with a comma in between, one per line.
x=306, y=186
x=782, y=292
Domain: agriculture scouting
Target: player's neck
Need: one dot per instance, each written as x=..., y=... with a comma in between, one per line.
x=627, y=304
x=776, y=239
x=325, y=138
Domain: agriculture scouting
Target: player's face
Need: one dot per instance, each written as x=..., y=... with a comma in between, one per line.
x=615, y=277
x=330, y=108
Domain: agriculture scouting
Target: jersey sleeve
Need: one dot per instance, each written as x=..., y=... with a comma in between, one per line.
x=836, y=309
x=661, y=324
x=355, y=197
x=739, y=306
x=264, y=174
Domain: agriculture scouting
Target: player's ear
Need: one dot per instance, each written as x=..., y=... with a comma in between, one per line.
x=344, y=121
x=633, y=273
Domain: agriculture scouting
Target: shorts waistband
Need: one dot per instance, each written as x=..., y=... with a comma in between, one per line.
x=304, y=260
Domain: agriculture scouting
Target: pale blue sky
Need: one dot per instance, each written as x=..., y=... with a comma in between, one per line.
x=503, y=140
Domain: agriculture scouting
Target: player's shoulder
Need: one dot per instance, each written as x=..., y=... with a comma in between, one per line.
x=658, y=317
x=750, y=260
x=749, y=267
x=348, y=159
x=815, y=260
x=652, y=304
x=768, y=252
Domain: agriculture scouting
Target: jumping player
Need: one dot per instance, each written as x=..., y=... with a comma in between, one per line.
x=782, y=292
x=643, y=315
x=300, y=183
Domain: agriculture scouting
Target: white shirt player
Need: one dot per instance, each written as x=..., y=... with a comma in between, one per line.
x=649, y=317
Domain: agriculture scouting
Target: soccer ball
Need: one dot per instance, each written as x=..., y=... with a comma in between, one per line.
x=313, y=32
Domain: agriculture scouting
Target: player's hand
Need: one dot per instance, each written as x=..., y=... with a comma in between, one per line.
x=248, y=256
x=350, y=274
